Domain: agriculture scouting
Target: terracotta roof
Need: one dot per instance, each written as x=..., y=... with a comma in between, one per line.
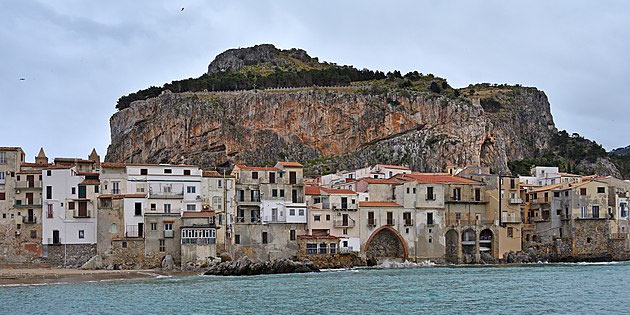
x=378, y=204
x=10, y=148
x=29, y=172
x=290, y=164
x=398, y=167
x=90, y=182
x=548, y=187
x=107, y=196
x=26, y=164
x=338, y=191
x=379, y=181
x=153, y=164
x=435, y=178
x=255, y=168
x=312, y=190
x=73, y=160
x=59, y=167
x=87, y=173
x=113, y=165
x=317, y=236
x=197, y=214
x=569, y=175
x=210, y=174
x=135, y=195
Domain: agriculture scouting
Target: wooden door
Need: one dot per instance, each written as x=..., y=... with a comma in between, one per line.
x=83, y=209
x=31, y=180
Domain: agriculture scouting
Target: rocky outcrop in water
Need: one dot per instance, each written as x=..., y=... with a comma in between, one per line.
x=247, y=267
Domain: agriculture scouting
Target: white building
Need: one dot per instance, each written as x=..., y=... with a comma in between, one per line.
x=69, y=206
x=548, y=175
x=378, y=171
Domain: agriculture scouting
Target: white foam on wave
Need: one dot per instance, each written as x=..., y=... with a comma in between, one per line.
x=405, y=264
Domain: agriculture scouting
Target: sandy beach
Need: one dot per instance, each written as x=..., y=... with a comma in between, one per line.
x=29, y=274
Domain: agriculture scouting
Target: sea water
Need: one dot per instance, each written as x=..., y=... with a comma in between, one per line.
x=533, y=289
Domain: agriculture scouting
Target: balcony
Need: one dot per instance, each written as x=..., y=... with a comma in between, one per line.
x=81, y=214
x=274, y=219
x=408, y=222
x=344, y=223
x=430, y=197
x=168, y=233
x=467, y=222
x=167, y=194
x=371, y=222
x=345, y=250
x=454, y=199
x=28, y=185
x=36, y=202
x=29, y=220
x=132, y=231
x=510, y=218
x=516, y=200
x=391, y=221
x=199, y=241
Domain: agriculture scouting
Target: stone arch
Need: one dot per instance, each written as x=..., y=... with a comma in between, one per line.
x=452, y=246
x=469, y=240
x=486, y=241
x=386, y=242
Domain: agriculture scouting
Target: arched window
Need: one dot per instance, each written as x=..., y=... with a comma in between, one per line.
x=114, y=228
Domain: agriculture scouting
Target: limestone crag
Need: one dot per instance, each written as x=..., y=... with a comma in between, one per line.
x=329, y=129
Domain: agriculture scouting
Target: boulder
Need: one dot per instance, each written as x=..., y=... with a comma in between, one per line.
x=168, y=263
x=246, y=266
x=94, y=263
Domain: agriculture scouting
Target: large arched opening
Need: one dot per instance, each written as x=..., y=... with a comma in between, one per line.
x=386, y=243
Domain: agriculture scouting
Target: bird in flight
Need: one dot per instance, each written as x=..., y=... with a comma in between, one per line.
x=181, y=10
x=22, y=79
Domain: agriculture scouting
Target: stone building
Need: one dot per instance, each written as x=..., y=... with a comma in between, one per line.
x=218, y=192
x=198, y=237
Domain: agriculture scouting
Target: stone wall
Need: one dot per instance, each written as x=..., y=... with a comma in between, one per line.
x=279, y=245
x=590, y=238
x=336, y=260
x=69, y=254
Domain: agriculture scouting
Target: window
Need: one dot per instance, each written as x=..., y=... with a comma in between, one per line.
x=240, y=195
x=595, y=211
x=556, y=194
x=48, y=192
x=138, y=208
x=414, y=190
x=49, y=213
x=601, y=190
x=162, y=246
x=191, y=207
x=291, y=212
x=115, y=189
x=168, y=171
x=191, y=189
x=407, y=218
x=254, y=175
x=168, y=226
x=186, y=172
x=407, y=189
x=153, y=207
x=457, y=193
x=167, y=208
x=311, y=249
x=371, y=220
x=33, y=233
x=272, y=178
x=2, y=176
x=583, y=191
x=344, y=231
x=96, y=189
x=264, y=237
x=292, y=235
x=19, y=226
x=316, y=217
x=48, y=173
x=510, y=232
x=219, y=183
x=74, y=190
x=333, y=248
x=71, y=205
x=281, y=192
x=458, y=216
x=2, y=196
x=583, y=212
x=3, y=157
x=323, y=248
x=144, y=171
x=274, y=193
x=81, y=234
x=153, y=226
x=301, y=212
x=328, y=217
x=114, y=228
x=237, y=239
x=429, y=218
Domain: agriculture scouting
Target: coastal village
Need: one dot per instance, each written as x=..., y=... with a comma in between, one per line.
x=81, y=212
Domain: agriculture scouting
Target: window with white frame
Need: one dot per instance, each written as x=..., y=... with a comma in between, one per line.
x=3, y=157
x=191, y=207
x=167, y=208
x=190, y=189
x=168, y=226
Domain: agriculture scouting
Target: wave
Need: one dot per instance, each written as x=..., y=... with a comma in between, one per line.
x=405, y=264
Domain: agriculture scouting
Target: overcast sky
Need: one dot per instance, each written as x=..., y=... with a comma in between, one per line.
x=78, y=57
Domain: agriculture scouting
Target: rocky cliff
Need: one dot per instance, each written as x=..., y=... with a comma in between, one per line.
x=415, y=120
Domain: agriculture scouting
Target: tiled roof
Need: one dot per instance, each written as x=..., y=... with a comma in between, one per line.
x=59, y=167
x=379, y=181
x=87, y=173
x=255, y=168
x=290, y=164
x=26, y=164
x=435, y=178
x=135, y=195
x=378, y=204
x=73, y=160
x=312, y=190
x=197, y=214
x=318, y=236
x=548, y=187
x=90, y=182
x=10, y=148
x=569, y=175
x=338, y=191
x=113, y=165
x=398, y=167
x=211, y=174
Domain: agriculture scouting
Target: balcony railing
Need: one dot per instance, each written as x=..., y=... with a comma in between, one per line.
x=77, y=214
x=344, y=223
x=199, y=241
x=274, y=219
x=371, y=222
x=29, y=220
x=299, y=199
x=516, y=201
x=179, y=194
x=28, y=202
x=345, y=250
x=430, y=197
x=471, y=200
x=510, y=218
x=391, y=221
x=132, y=231
x=27, y=184
x=408, y=222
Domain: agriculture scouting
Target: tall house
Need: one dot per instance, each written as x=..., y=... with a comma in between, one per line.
x=218, y=192
x=334, y=212
x=270, y=209
x=69, y=207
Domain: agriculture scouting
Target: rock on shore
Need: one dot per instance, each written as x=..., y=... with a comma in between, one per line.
x=245, y=266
